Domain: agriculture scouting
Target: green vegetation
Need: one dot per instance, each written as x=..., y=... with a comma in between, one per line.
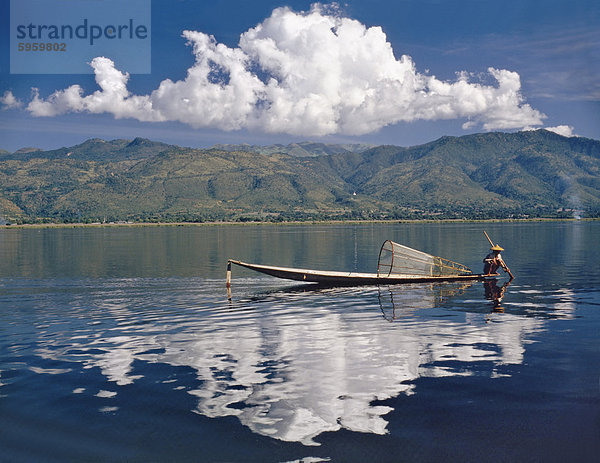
x=495, y=175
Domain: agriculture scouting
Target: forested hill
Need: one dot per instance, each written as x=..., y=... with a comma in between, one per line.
x=491, y=175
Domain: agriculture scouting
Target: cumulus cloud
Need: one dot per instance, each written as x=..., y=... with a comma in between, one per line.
x=9, y=101
x=564, y=130
x=303, y=73
x=113, y=97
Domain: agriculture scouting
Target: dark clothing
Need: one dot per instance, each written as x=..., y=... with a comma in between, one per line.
x=491, y=263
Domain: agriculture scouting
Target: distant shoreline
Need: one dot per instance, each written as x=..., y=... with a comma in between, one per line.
x=306, y=222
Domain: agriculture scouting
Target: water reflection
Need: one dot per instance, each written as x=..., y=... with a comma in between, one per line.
x=495, y=293
x=290, y=363
x=396, y=301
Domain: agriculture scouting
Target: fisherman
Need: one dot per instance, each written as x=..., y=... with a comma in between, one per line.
x=493, y=261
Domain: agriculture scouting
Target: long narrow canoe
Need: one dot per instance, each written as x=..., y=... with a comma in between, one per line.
x=336, y=278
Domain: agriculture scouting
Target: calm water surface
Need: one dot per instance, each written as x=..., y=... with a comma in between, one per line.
x=120, y=344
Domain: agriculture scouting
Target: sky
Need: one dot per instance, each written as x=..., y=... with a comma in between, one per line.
x=402, y=72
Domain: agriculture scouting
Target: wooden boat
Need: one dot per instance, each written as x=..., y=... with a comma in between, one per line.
x=397, y=264
x=337, y=278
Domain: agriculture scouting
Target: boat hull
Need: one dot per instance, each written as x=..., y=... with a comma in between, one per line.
x=334, y=278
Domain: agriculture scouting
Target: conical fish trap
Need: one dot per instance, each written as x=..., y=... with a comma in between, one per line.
x=396, y=259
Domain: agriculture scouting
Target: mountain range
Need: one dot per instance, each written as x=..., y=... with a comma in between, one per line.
x=491, y=175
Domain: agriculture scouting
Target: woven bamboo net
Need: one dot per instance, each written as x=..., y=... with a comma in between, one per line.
x=396, y=259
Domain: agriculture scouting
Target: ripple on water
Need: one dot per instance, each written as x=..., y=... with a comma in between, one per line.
x=290, y=362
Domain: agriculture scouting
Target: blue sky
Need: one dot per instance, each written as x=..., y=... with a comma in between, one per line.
x=381, y=72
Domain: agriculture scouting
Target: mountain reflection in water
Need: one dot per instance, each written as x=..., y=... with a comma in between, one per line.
x=292, y=364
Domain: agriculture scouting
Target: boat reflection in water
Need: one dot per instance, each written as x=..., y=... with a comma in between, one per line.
x=396, y=301
x=294, y=364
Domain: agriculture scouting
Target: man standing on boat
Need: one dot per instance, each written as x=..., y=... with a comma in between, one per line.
x=493, y=261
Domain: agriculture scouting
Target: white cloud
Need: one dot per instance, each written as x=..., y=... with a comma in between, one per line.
x=8, y=101
x=113, y=97
x=564, y=130
x=311, y=74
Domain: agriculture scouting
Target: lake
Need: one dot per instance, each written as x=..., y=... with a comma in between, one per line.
x=120, y=344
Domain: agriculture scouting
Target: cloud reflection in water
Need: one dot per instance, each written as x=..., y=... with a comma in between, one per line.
x=294, y=364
